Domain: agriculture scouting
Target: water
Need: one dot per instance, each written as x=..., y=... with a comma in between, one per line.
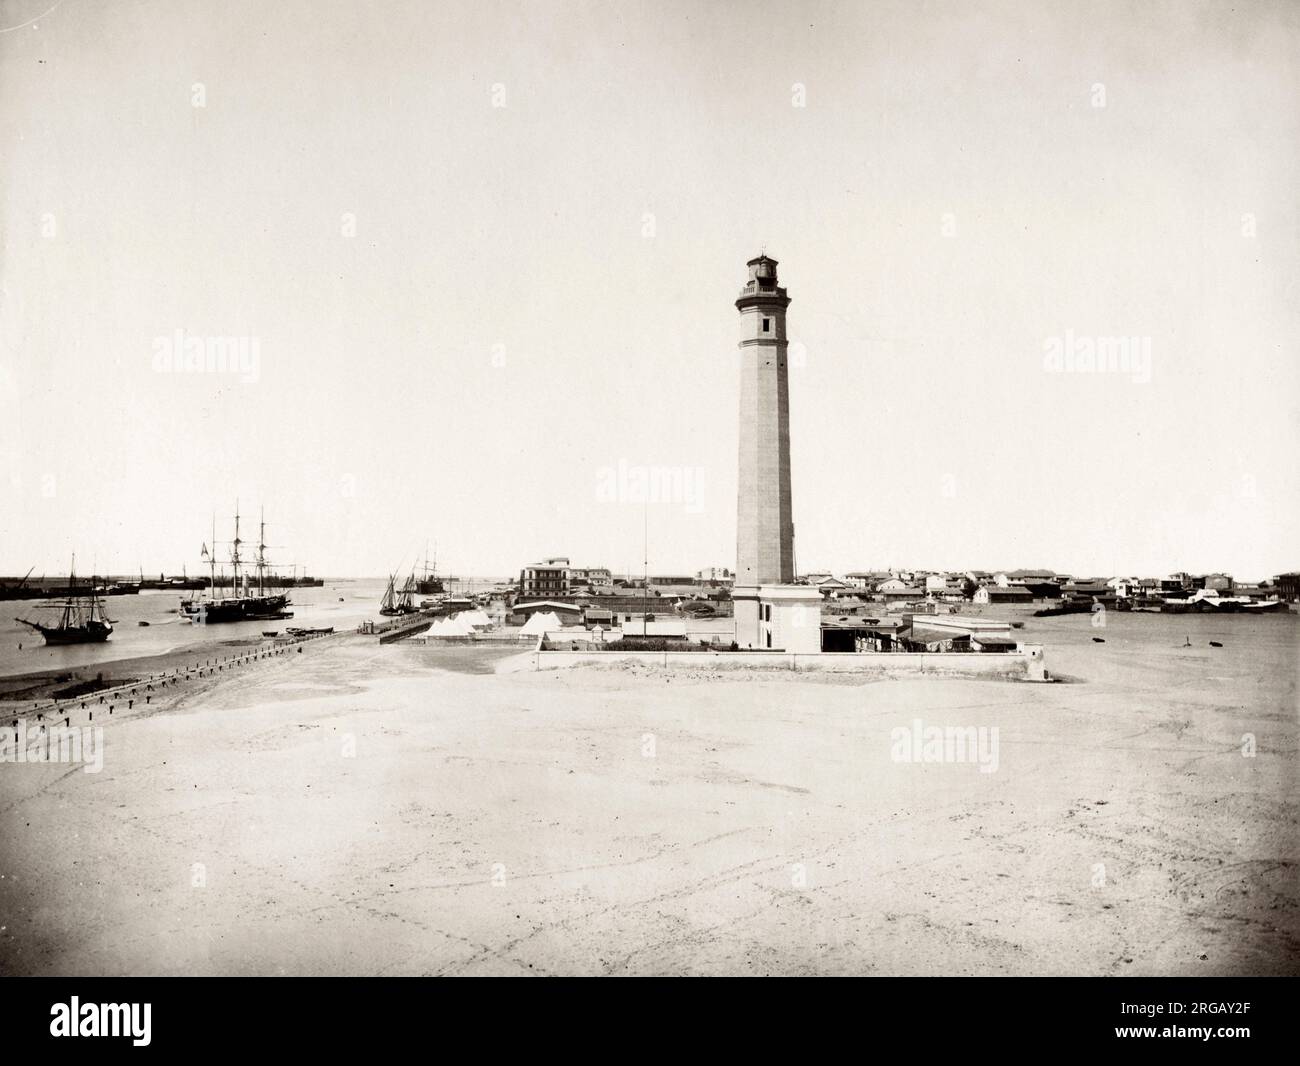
x=166, y=631
x=1256, y=667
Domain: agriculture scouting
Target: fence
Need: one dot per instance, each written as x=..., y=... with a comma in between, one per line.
x=1024, y=664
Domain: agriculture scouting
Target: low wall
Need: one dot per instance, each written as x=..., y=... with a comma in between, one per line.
x=1023, y=665
x=659, y=606
x=402, y=632
x=433, y=640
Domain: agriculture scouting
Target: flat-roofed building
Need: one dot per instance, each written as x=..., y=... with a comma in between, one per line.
x=715, y=575
x=1000, y=594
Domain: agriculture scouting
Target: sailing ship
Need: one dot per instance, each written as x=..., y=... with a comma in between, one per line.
x=430, y=583
x=83, y=620
x=244, y=605
x=399, y=601
x=388, y=604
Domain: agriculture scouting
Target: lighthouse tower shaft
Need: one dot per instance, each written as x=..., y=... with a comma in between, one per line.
x=764, y=525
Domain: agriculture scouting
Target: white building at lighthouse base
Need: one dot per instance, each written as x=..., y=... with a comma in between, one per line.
x=778, y=618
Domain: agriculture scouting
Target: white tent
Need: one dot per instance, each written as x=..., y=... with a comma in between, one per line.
x=450, y=627
x=475, y=618
x=542, y=622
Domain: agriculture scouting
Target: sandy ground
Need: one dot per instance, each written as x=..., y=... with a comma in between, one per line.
x=363, y=810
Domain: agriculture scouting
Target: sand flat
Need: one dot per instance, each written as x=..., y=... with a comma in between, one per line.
x=643, y=822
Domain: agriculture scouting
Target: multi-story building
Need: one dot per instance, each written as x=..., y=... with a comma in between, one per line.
x=715, y=575
x=596, y=576
x=544, y=580
x=556, y=577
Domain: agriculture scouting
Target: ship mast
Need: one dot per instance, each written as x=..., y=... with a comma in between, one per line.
x=261, y=553
x=234, y=551
x=66, y=621
x=212, y=559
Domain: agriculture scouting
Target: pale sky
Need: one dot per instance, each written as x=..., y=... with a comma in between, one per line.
x=488, y=255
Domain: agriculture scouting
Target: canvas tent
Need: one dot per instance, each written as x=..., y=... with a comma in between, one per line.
x=541, y=623
x=451, y=627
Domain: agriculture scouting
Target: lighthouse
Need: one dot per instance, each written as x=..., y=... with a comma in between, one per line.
x=764, y=526
x=772, y=613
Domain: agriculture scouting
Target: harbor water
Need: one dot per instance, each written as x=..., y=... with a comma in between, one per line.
x=341, y=603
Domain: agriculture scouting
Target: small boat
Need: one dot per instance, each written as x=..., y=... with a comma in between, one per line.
x=1263, y=606
x=142, y=622
x=83, y=620
x=1210, y=600
x=270, y=632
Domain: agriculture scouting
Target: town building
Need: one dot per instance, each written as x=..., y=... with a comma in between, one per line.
x=1094, y=590
x=569, y=613
x=1028, y=577
x=1002, y=594
x=672, y=580
x=595, y=576
x=550, y=577
x=899, y=591
x=555, y=576
x=715, y=576
x=943, y=585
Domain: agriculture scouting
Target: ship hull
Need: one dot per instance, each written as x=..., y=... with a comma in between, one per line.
x=240, y=609
x=95, y=633
x=1267, y=607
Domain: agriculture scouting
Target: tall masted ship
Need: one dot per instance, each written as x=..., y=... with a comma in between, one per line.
x=243, y=605
x=429, y=583
x=82, y=619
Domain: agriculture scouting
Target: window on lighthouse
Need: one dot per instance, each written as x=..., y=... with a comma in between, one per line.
x=767, y=325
